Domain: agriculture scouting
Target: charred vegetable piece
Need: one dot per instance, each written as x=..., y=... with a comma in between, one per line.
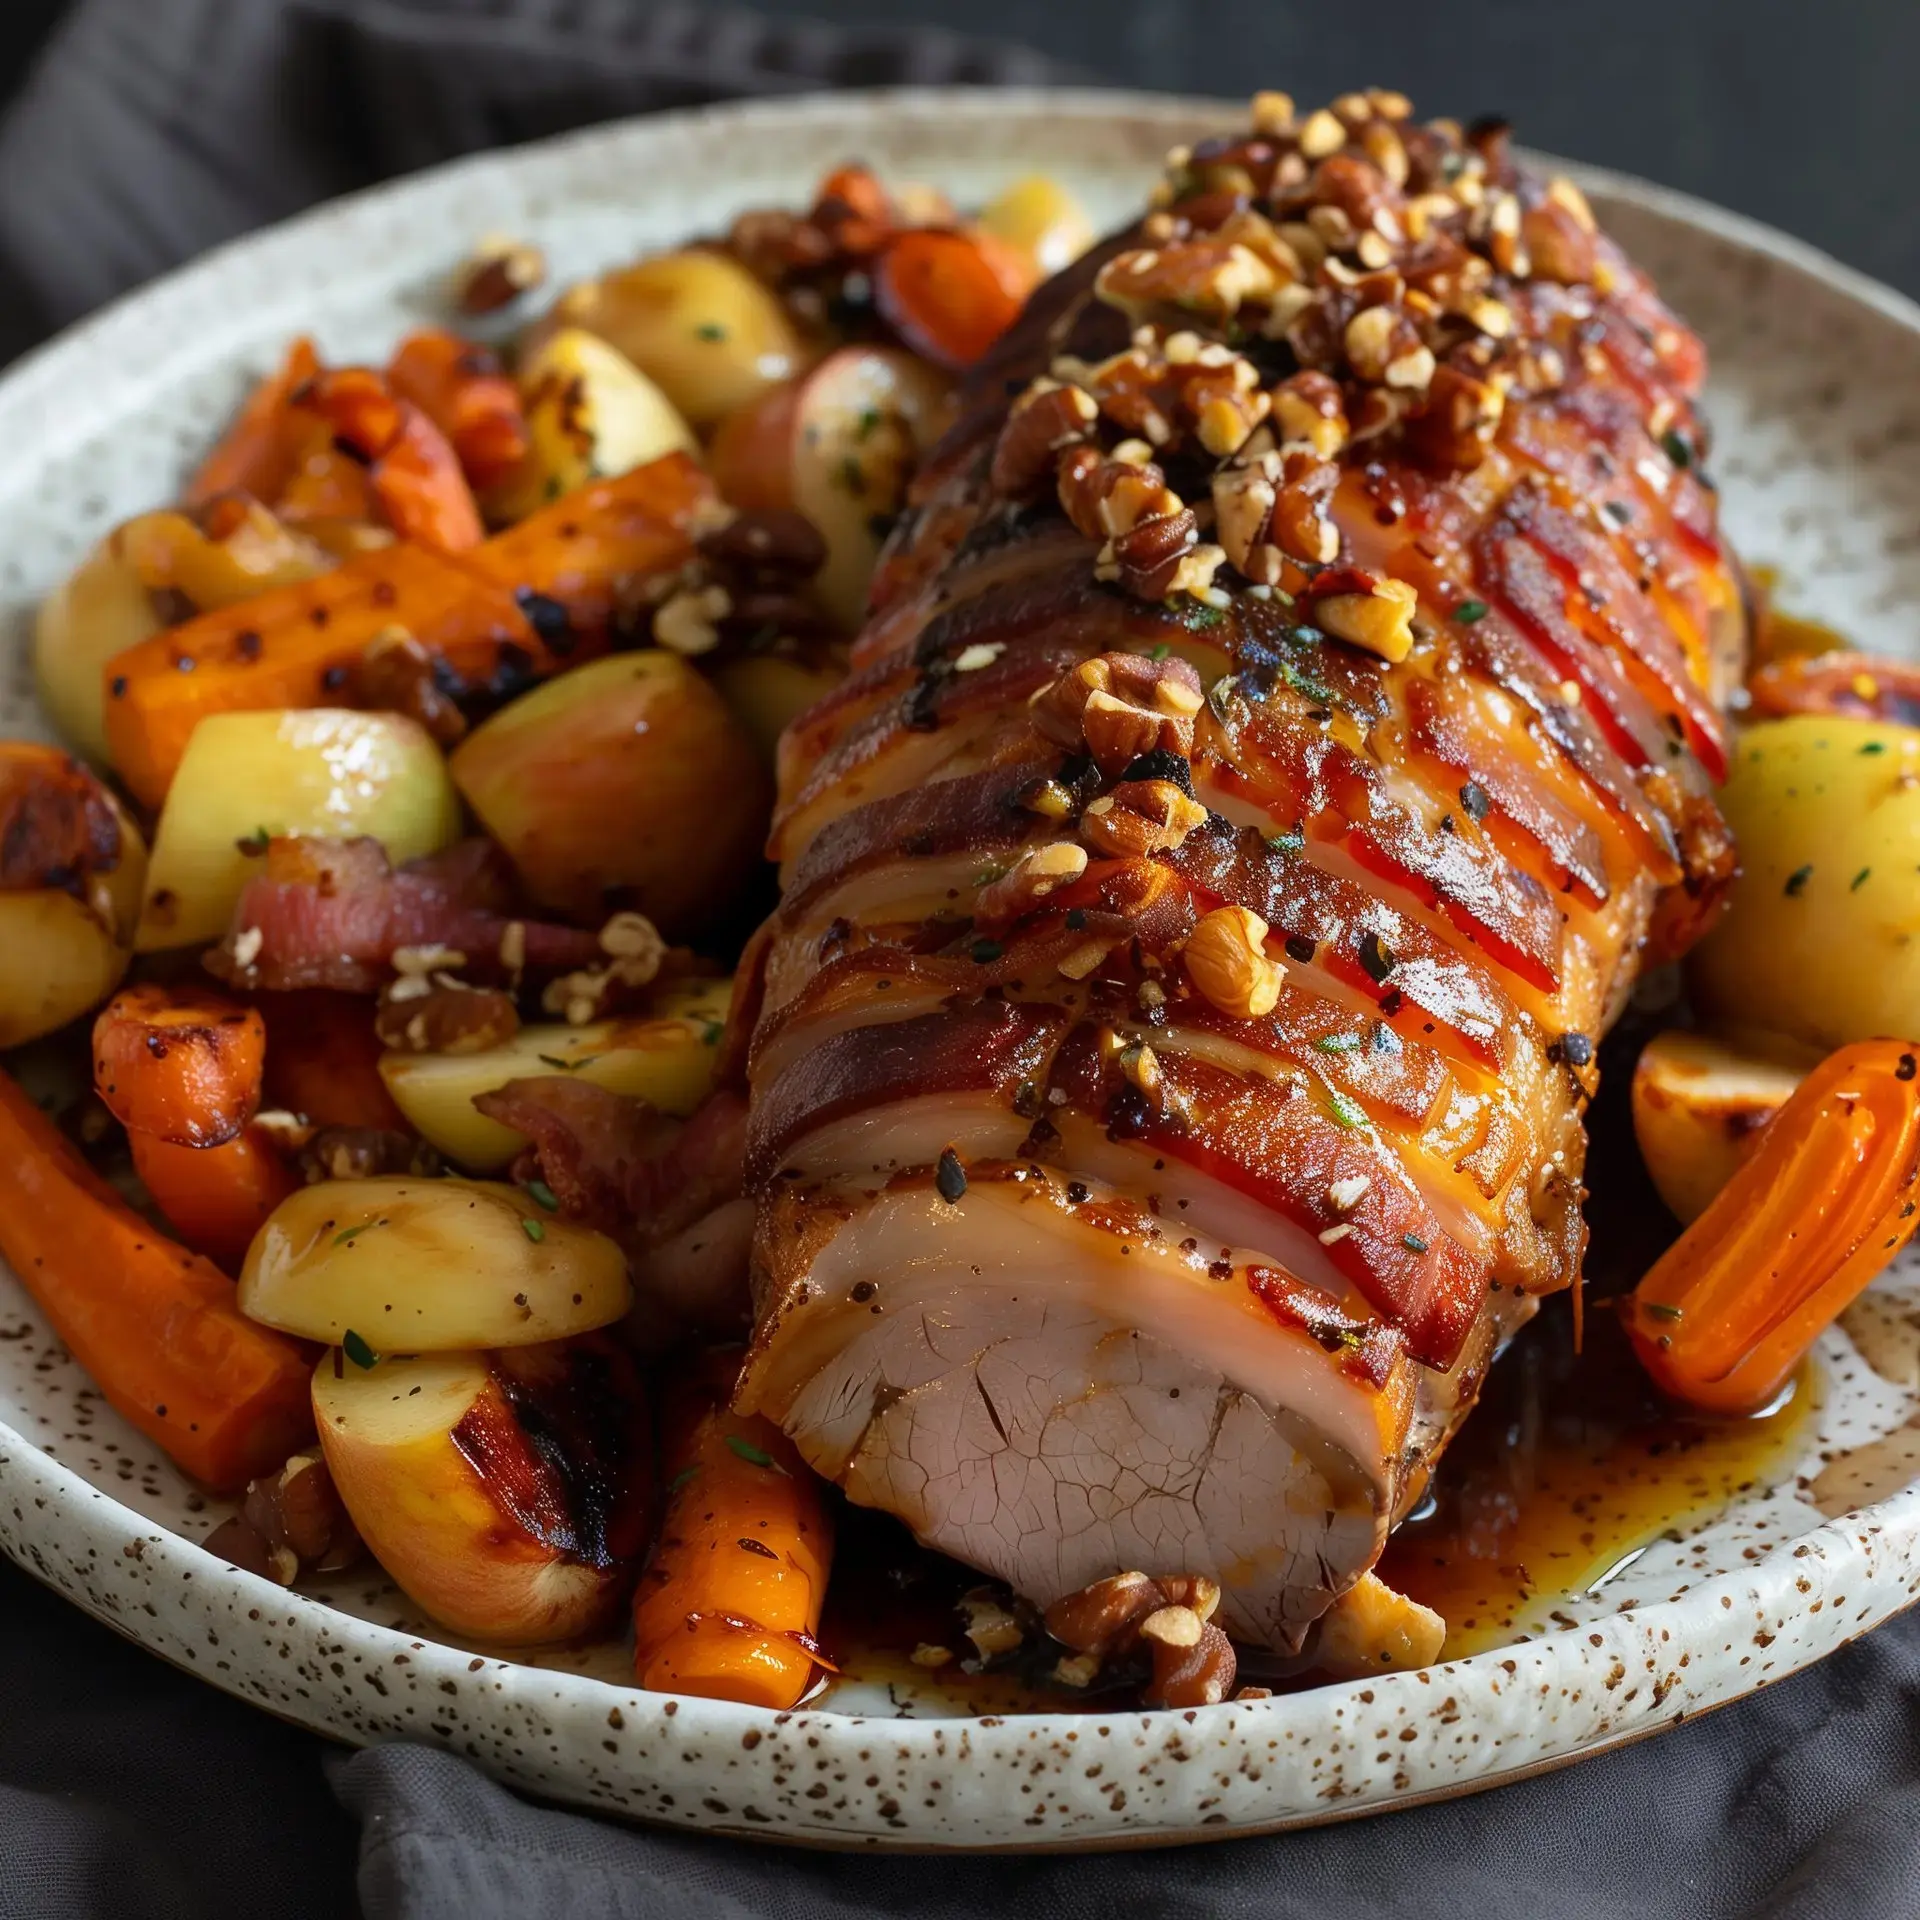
x=255, y=454
x=461, y=388
x=181, y=1063
x=72, y=866
x=215, y=1198
x=1824, y=1201
x=154, y=1325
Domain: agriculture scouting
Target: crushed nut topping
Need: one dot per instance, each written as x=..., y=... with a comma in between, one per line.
x=1120, y=706
x=1226, y=960
x=1038, y=872
x=500, y=270
x=1140, y=818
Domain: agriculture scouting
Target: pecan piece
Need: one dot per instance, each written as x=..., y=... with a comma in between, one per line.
x=361, y=1153
x=1226, y=959
x=1045, y=420
x=397, y=673
x=1193, y=1660
x=1120, y=706
x=1038, y=872
x=1140, y=818
x=446, y=1018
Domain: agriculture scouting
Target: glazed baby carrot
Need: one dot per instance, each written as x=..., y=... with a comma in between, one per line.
x=1829, y=1195
x=413, y=471
x=459, y=387
x=521, y=606
x=181, y=1064
x=257, y=450
x=215, y=1198
x=730, y=1602
x=949, y=295
x=154, y=1326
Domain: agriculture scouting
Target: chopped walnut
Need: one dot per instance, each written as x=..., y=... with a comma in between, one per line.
x=499, y=272
x=363, y=1153
x=1140, y=818
x=688, y=622
x=1226, y=959
x=992, y=1627
x=1380, y=619
x=634, y=952
x=1171, y=1616
x=1120, y=706
x=1045, y=420
x=447, y=1018
x=289, y=1522
x=1038, y=872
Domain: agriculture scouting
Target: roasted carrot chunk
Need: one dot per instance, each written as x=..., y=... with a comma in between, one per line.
x=182, y=1064
x=949, y=295
x=1828, y=1196
x=154, y=1325
x=730, y=1602
x=519, y=607
x=256, y=453
x=459, y=387
x=215, y=1198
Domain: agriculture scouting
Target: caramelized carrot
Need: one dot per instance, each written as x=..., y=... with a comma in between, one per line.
x=1826, y=1198
x=1864, y=686
x=215, y=1198
x=297, y=646
x=730, y=1602
x=949, y=294
x=414, y=473
x=154, y=1326
x=325, y=484
x=323, y=1060
x=182, y=1064
x=459, y=387
x=256, y=452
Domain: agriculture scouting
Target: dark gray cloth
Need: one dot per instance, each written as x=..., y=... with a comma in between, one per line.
x=158, y=127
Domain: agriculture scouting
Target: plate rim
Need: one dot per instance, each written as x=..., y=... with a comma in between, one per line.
x=1841, y=1547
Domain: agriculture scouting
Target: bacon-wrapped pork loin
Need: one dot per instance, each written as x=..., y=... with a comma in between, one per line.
x=1283, y=730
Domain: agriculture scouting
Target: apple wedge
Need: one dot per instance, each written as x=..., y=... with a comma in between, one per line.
x=497, y=1535
x=837, y=444
x=1698, y=1106
x=429, y=1266
x=665, y=1059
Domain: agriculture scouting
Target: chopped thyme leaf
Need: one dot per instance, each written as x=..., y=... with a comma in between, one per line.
x=1287, y=842
x=1160, y=652
x=710, y=330
x=357, y=1349
x=566, y=1066
x=680, y=1479
x=1798, y=879
x=752, y=1455
x=1347, y=1112
x=1660, y=1310
x=1859, y=880
x=1872, y=746
x=1413, y=1243
x=985, y=952
x=869, y=419
x=534, y=1230
x=345, y=1234
x=1338, y=1043
x=543, y=1195
x=1468, y=611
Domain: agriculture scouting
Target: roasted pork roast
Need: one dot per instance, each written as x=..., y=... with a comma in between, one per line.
x=1283, y=730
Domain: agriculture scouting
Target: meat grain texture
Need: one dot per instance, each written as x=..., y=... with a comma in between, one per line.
x=1284, y=728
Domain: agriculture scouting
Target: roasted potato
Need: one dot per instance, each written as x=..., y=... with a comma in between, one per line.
x=695, y=322
x=665, y=1058
x=591, y=413
x=1698, y=1107
x=471, y=1518
x=245, y=776
x=109, y=602
x=624, y=782
x=72, y=871
x=1039, y=217
x=1822, y=940
x=426, y=1266
x=837, y=444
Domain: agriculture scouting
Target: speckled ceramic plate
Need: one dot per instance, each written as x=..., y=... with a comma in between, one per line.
x=1816, y=401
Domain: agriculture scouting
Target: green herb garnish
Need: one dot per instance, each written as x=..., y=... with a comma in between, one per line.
x=1338, y=1043
x=1413, y=1243
x=869, y=419
x=1859, y=880
x=345, y=1234
x=985, y=952
x=1160, y=652
x=680, y=1479
x=1347, y=1112
x=752, y=1455
x=1797, y=879
x=710, y=330
x=357, y=1349
x=535, y=1230
x=566, y=1066
x=1678, y=448
x=543, y=1195
x=1468, y=611
x=1660, y=1310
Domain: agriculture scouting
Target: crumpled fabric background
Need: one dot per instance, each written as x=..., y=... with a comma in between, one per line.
x=155, y=128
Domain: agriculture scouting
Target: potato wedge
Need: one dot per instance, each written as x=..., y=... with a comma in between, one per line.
x=1039, y=217
x=1821, y=942
x=100, y=609
x=325, y=770
x=665, y=1059
x=478, y=1526
x=72, y=871
x=591, y=413
x=837, y=444
x=694, y=321
x=1698, y=1107
x=625, y=781
x=426, y=1266
x=764, y=691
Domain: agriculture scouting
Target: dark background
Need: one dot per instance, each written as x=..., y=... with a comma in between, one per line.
x=1800, y=112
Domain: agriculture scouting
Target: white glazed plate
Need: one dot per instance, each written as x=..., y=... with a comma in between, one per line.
x=1815, y=401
